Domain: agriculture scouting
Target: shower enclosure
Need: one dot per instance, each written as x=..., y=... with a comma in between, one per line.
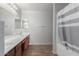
x=68, y=27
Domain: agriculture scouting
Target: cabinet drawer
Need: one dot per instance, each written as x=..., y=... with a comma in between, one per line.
x=18, y=46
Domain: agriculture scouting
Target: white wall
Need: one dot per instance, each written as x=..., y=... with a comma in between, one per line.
x=8, y=19
x=6, y=26
x=40, y=22
x=40, y=27
x=1, y=38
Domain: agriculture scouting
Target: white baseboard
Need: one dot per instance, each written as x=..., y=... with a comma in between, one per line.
x=54, y=53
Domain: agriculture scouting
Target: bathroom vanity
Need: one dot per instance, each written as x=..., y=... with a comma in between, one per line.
x=17, y=45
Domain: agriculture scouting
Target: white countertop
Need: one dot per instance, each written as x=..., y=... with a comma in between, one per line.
x=13, y=40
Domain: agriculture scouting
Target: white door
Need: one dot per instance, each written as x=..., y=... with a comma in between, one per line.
x=40, y=28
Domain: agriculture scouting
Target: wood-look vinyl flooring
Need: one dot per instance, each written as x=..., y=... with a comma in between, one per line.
x=38, y=50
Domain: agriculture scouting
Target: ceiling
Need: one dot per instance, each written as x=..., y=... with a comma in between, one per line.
x=33, y=10
x=36, y=6
x=40, y=7
x=30, y=9
x=59, y=6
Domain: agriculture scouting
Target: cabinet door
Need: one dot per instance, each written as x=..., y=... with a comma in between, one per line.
x=26, y=43
x=18, y=50
x=11, y=53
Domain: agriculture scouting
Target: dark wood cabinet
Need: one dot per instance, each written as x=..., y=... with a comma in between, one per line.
x=25, y=43
x=11, y=52
x=19, y=48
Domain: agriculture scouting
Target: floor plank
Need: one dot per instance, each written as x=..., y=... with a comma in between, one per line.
x=38, y=50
